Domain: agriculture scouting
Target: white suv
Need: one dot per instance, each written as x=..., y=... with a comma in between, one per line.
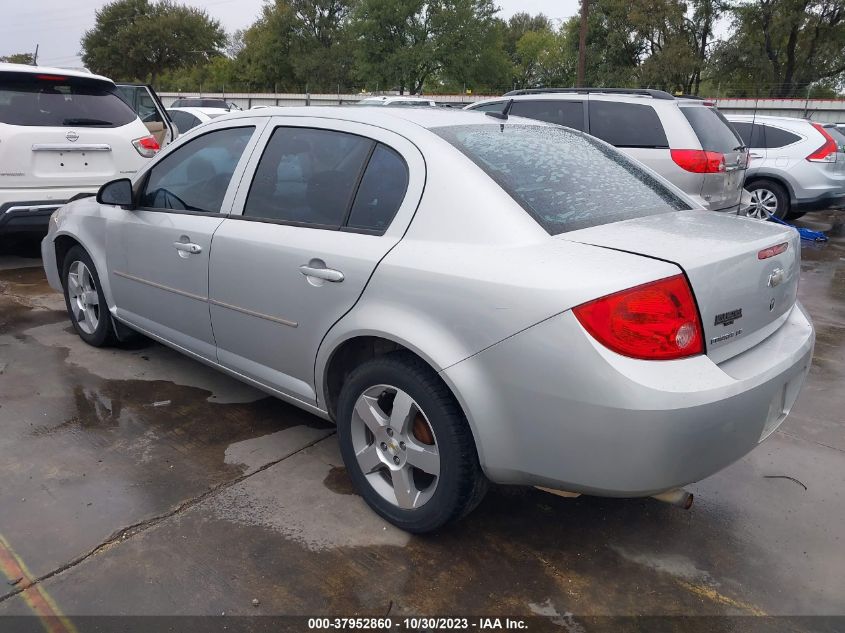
x=685, y=140
x=63, y=134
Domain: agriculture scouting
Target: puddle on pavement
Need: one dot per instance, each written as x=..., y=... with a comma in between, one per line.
x=338, y=481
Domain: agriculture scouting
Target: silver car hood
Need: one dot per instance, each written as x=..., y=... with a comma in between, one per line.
x=742, y=299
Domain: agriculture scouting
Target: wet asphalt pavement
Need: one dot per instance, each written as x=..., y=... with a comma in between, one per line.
x=137, y=482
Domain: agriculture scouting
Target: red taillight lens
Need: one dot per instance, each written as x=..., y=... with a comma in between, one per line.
x=50, y=77
x=699, y=161
x=655, y=321
x=147, y=146
x=827, y=152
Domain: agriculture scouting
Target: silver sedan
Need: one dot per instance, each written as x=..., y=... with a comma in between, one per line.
x=470, y=298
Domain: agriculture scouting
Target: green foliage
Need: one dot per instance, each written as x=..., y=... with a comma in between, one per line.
x=774, y=47
x=18, y=58
x=140, y=40
x=780, y=48
x=405, y=43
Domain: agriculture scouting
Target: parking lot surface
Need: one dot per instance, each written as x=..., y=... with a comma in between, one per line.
x=137, y=481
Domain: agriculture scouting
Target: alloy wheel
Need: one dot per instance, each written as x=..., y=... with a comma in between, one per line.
x=763, y=205
x=84, y=300
x=395, y=446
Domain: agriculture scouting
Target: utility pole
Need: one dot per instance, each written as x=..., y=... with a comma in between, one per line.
x=35, y=56
x=582, y=43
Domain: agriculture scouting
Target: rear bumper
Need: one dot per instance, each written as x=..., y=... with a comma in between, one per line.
x=552, y=407
x=821, y=202
x=27, y=216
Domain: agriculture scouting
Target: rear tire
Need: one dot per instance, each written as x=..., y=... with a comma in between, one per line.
x=768, y=198
x=84, y=299
x=794, y=215
x=382, y=452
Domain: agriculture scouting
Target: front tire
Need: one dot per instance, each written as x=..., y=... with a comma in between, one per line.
x=84, y=299
x=768, y=198
x=407, y=445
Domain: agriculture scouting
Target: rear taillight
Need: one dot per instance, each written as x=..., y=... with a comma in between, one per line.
x=827, y=152
x=655, y=321
x=147, y=146
x=699, y=161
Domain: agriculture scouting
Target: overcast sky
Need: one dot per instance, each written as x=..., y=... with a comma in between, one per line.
x=58, y=25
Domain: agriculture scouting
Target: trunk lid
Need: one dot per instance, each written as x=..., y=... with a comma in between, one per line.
x=742, y=299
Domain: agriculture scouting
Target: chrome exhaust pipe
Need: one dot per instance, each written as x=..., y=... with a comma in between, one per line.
x=676, y=497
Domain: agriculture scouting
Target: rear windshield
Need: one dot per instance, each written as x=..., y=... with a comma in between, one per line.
x=56, y=101
x=565, y=179
x=713, y=130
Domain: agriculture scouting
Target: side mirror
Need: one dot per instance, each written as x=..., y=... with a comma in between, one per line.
x=117, y=192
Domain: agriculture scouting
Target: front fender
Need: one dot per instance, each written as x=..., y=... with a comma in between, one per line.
x=83, y=222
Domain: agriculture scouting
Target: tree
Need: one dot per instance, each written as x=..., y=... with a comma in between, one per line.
x=136, y=39
x=300, y=42
x=405, y=43
x=18, y=58
x=781, y=47
x=540, y=60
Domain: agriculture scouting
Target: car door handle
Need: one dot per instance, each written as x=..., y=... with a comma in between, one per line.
x=188, y=247
x=327, y=274
x=755, y=155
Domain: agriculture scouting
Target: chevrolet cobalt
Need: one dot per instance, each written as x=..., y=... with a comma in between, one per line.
x=470, y=297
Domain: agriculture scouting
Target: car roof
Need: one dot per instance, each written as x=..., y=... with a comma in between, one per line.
x=763, y=118
x=391, y=98
x=385, y=117
x=49, y=70
x=194, y=111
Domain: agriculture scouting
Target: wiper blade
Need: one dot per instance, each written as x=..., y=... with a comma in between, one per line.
x=83, y=121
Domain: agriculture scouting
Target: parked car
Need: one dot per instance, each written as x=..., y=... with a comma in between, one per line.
x=796, y=165
x=469, y=298
x=687, y=141
x=149, y=108
x=408, y=101
x=189, y=118
x=63, y=134
x=204, y=102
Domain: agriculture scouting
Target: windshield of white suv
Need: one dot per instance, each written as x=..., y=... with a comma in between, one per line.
x=565, y=179
x=51, y=100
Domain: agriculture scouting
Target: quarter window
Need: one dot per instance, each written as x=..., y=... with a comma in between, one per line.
x=775, y=137
x=712, y=129
x=195, y=177
x=626, y=124
x=568, y=113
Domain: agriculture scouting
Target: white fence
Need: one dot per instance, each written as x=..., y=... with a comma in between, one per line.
x=822, y=110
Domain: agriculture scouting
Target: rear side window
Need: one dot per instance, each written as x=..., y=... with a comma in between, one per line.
x=195, y=176
x=55, y=101
x=751, y=134
x=627, y=124
x=712, y=129
x=564, y=179
x=381, y=191
x=308, y=176
x=568, y=113
x=775, y=137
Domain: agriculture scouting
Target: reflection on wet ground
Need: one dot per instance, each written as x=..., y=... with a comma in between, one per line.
x=139, y=481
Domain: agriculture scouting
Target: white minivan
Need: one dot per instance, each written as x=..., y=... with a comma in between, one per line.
x=63, y=133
